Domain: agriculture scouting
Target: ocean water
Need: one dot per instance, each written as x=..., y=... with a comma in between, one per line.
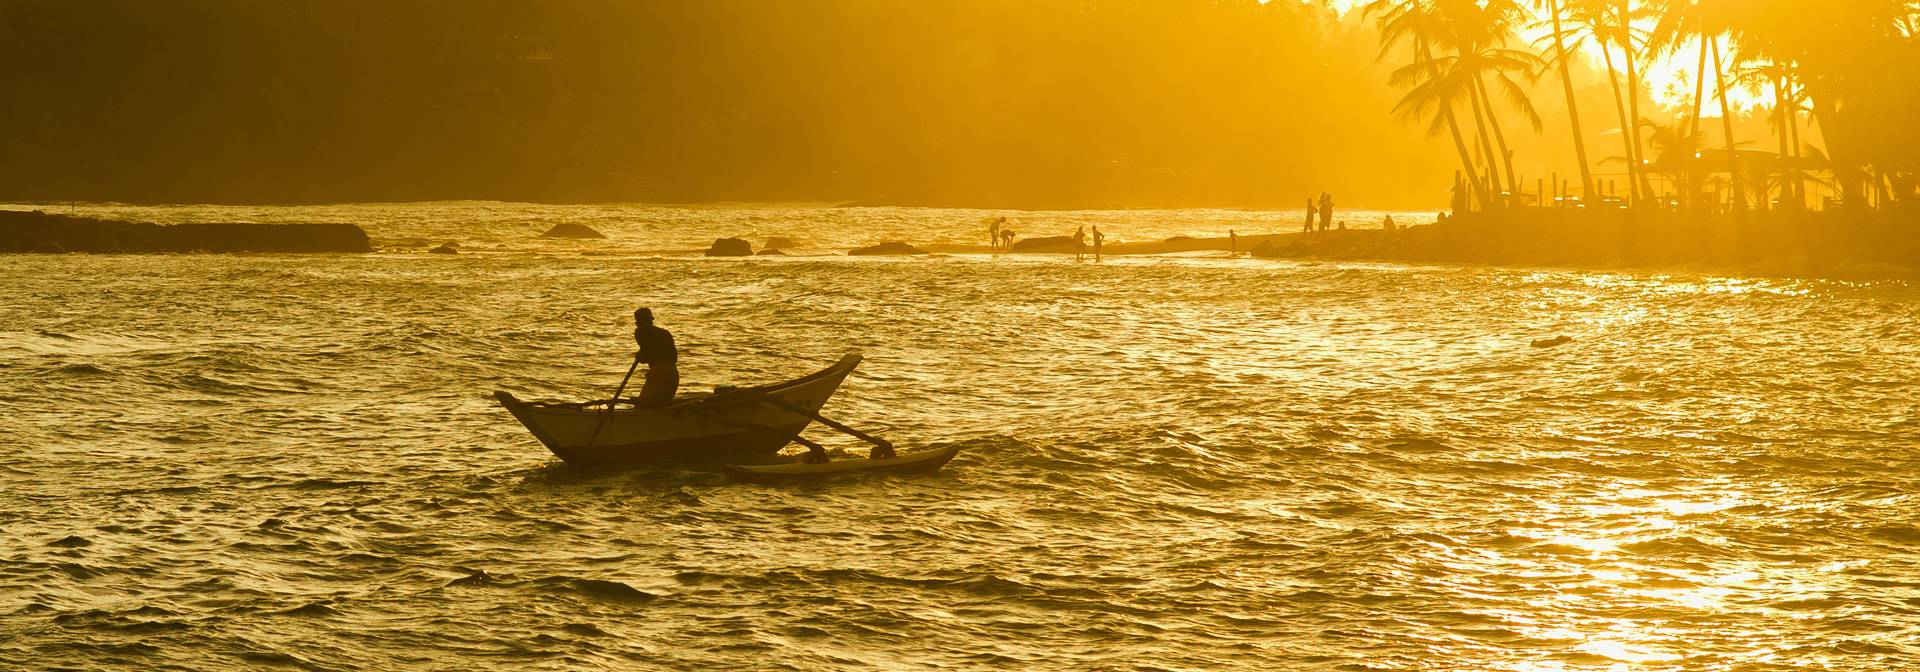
x=1180, y=462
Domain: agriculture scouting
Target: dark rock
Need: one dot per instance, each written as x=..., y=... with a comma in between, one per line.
x=730, y=247
x=444, y=249
x=570, y=230
x=780, y=242
x=72, y=542
x=1047, y=241
x=477, y=578
x=768, y=251
x=1550, y=342
x=888, y=248
x=1264, y=249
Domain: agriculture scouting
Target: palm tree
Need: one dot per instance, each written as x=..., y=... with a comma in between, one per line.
x=1855, y=61
x=1439, y=82
x=1479, y=28
x=1415, y=20
x=1726, y=122
x=1779, y=76
x=1559, y=58
x=1681, y=20
x=1597, y=18
x=1626, y=38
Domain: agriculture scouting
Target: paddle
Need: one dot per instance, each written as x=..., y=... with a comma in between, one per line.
x=616, y=399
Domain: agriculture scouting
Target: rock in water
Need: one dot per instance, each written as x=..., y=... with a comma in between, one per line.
x=780, y=242
x=444, y=249
x=1550, y=342
x=888, y=248
x=1048, y=241
x=730, y=247
x=570, y=230
x=772, y=251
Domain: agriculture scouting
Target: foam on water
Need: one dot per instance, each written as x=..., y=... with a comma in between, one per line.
x=258, y=462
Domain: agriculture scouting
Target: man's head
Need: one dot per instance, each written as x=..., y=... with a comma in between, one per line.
x=643, y=316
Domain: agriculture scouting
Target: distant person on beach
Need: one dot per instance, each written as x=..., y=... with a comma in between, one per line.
x=993, y=233
x=661, y=358
x=1097, y=238
x=1311, y=211
x=1387, y=223
x=1080, y=243
x=1326, y=210
x=1006, y=239
x=1233, y=243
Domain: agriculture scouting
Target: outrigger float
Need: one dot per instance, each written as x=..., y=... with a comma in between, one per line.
x=732, y=424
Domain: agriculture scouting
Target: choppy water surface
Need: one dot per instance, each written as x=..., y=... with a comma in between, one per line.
x=1171, y=463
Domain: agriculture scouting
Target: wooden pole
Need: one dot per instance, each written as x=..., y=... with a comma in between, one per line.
x=608, y=411
x=816, y=452
x=802, y=410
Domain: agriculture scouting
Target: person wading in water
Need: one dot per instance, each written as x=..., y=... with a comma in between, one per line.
x=662, y=360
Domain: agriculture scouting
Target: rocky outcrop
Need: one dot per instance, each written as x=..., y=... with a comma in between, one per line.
x=570, y=230
x=448, y=248
x=779, y=243
x=730, y=247
x=895, y=248
x=41, y=232
x=771, y=251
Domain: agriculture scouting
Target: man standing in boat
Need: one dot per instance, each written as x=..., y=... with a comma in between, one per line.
x=662, y=360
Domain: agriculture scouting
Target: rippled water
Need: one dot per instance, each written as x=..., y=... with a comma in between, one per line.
x=1171, y=462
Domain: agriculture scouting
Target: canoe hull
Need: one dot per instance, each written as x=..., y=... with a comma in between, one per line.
x=684, y=431
x=911, y=463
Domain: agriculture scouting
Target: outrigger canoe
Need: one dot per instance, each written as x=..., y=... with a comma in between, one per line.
x=741, y=422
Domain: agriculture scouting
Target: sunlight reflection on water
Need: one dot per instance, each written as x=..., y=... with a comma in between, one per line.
x=1177, y=462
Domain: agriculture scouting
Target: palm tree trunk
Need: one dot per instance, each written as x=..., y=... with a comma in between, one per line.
x=1726, y=122
x=1506, y=156
x=1459, y=143
x=1480, y=122
x=1613, y=77
x=1638, y=167
x=1573, y=107
x=1693, y=127
x=1780, y=127
x=1799, y=159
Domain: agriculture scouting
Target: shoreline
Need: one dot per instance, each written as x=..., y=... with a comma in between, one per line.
x=1807, y=241
x=1805, y=244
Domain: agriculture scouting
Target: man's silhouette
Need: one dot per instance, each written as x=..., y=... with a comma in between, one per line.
x=662, y=360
